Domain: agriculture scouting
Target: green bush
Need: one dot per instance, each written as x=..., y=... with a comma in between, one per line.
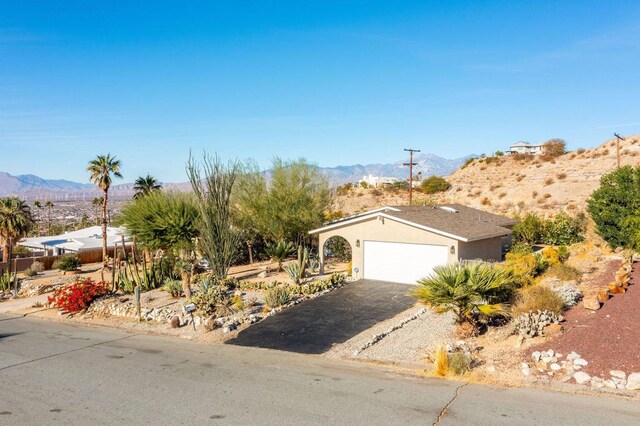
x=211, y=298
x=564, y=229
x=459, y=363
x=173, y=287
x=434, y=184
x=614, y=207
x=277, y=296
x=529, y=230
x=537, y=298
x=563, y=253
x=67, y=262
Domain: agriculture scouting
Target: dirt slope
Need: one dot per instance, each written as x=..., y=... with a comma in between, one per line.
x=510, y=184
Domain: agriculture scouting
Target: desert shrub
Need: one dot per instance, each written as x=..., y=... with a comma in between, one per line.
x=376, y=192
x=561, y=176
x=554, y=148
x=580, y=151
x=237, y=302
x=499, y=153
x=550, y=256
x=472, y=291
x=521, y=248
x=563, y=253
x=537, y=298
x=434, y=184
x=30, y=272
x=364, y=184
x=529, y=229
x=569, y=294
x=173, y=287
x=277, y=296
x=459, y=363
x=564, y=229
x=67, y=262
x=565, y=273
x=485, y=201
x=524, y=267
x=548, y=181
x=520, y=177
x=467, y=163
x=210, y=299
x=78, y=296
x=37, y=267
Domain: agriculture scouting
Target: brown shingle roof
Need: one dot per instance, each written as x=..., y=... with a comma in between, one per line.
x=462, y=221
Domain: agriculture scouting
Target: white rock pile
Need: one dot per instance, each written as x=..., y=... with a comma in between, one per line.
x=554, y=365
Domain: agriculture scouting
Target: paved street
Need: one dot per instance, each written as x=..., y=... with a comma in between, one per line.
x=54, y=373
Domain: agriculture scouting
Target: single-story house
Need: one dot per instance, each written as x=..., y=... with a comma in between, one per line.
x=404, y=243
x=526, y=148
x=75, y=241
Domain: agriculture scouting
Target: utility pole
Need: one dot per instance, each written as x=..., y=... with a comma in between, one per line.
x=618, y=139
x=411, y=164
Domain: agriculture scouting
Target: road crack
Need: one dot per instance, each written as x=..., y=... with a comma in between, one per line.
x=444, y=409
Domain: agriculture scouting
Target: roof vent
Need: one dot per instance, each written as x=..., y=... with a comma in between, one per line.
x=448, y=209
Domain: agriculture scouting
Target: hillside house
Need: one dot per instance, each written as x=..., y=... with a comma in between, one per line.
x=377, y=181
x=526, y=148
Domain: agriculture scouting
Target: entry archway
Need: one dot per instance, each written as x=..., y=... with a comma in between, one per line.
x=336, y=254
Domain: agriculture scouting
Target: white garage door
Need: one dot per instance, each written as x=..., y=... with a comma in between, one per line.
x=400, y=262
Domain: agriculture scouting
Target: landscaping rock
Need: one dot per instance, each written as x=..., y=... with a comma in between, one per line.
x=591, y=302
x=536, y=356
x=555, y=367
x=633, y=381
x=581, y=362
x=175, y=321
x=618, y=374
x=581, y=377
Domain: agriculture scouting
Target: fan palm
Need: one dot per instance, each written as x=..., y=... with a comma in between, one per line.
x=145, y=185
x=469, y=290
x=279, y=251
x=15, y=222
x=101, y=170
x=97, y=203
x=49, y=205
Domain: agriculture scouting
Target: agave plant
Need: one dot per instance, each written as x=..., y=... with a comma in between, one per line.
x=469, y=290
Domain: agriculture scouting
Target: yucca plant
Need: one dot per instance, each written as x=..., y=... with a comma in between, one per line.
x=279, y=251
x=469, y=290
x=296, y=270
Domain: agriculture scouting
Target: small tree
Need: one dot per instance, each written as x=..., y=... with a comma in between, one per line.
x=529, y=229
x=280, y=251
x=213, y=182
x=615, y=207
x=554, y=147
x=434, y=184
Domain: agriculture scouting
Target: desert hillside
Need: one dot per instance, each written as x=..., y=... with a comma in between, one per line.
x=510, y=184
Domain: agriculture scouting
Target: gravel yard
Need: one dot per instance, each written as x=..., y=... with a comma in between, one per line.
x=406, y=346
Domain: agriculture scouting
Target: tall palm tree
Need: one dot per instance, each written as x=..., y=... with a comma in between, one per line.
x=97, y=202
x=37, y=204
x=101, y=169
x=15, y=222
x=49, y=205
x=146, y=185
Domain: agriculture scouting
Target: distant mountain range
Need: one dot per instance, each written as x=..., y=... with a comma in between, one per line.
x=33, y=187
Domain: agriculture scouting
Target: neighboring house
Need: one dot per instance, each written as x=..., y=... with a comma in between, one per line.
x=377, y=181
x=75, y=241
x=404, y=243
x=525, y=148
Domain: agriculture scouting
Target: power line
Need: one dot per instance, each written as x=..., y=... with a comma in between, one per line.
x=411, y=164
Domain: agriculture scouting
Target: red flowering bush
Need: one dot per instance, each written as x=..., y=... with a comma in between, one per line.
x=79, y=295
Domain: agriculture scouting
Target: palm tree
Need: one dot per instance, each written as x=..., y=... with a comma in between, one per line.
x=38, y=204
x=49, y=205
x=101, y=169
x=146, y=185
x=15, y=222
x=279, y=251
x=469, y=290
x=97, y=202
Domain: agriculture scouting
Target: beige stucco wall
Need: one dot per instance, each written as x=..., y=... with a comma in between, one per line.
x=383, y=230
x=489, y=249
x=388, y=230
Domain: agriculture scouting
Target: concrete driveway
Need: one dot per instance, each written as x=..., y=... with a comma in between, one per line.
x=314, y=326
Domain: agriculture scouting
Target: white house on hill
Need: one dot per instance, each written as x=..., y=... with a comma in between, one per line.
x=526, y=148
x=377, y=181
x=75, y=241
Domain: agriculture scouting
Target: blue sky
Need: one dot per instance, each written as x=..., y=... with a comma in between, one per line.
x=336, y=82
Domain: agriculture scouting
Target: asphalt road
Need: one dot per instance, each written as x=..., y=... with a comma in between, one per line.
x=54, y=373
x=314, y=326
